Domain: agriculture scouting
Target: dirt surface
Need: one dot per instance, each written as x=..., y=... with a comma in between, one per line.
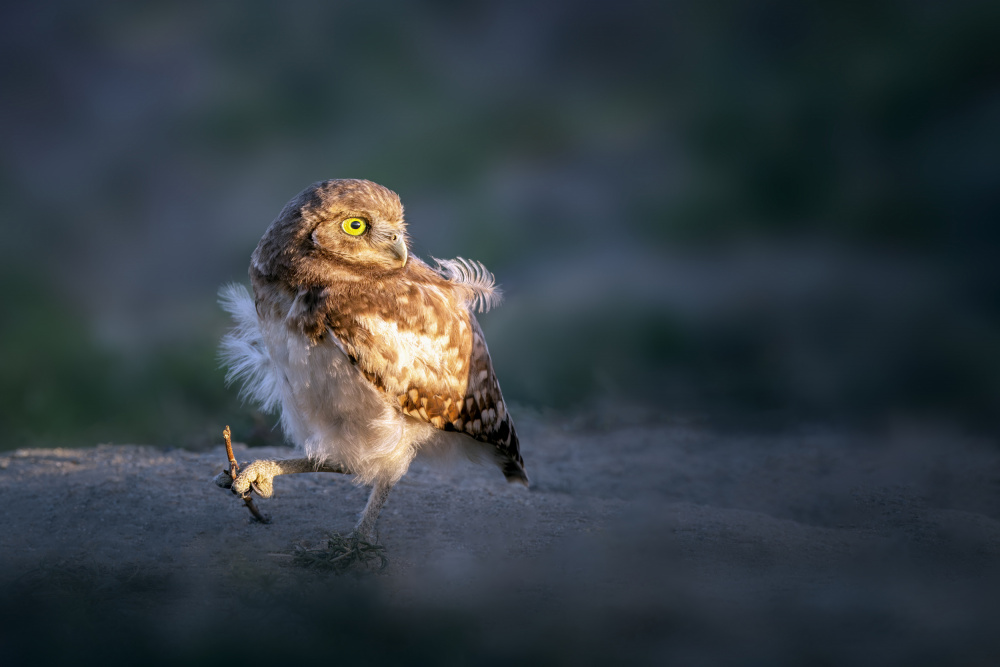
x=636, y=543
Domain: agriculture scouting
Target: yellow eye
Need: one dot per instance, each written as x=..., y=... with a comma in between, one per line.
x=355, y=226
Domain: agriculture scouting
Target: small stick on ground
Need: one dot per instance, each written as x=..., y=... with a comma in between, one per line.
x=234, y=468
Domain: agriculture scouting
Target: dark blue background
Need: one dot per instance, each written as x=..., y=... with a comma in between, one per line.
x=776, y=210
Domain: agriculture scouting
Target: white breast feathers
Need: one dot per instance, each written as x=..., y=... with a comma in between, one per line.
x=329, y=410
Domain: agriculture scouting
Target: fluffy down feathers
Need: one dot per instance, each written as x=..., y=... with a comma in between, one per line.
x=474, y=280
x=244, y=352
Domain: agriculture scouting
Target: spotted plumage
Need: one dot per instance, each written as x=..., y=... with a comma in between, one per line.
x=370, y=354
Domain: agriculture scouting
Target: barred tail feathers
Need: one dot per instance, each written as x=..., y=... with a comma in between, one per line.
x=514, y=471
x=510, y=461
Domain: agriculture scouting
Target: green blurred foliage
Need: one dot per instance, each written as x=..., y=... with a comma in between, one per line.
x=60, y=387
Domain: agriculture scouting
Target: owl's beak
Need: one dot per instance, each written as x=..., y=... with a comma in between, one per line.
x=398, y=248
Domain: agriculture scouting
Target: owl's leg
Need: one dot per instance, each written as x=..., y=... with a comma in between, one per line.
x=260, y=475
x=359, y=548
x=365, y=530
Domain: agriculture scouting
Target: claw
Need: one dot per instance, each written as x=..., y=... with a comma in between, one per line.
x=257, y=477
x=231, y=475
x=223, y=480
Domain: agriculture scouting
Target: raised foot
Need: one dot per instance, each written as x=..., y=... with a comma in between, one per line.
x=258, y=476
x=225, y=480
x=342, y=553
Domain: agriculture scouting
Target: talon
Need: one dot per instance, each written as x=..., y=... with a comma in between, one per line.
x=253, y=485
x=223, y=480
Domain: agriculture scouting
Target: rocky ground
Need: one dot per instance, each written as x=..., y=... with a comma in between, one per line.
x=644, y=542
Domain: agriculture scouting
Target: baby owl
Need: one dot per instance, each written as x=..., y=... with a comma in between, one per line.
x=370, y=354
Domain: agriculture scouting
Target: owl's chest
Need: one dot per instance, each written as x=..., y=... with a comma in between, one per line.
x=318, y=382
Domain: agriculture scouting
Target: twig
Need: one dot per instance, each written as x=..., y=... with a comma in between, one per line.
x=233, y=465
x=234, y=468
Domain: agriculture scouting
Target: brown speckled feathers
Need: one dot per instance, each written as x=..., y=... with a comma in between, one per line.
x=408, y=329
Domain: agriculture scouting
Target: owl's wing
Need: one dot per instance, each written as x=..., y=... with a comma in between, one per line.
x=428, y=354
x=479, y=410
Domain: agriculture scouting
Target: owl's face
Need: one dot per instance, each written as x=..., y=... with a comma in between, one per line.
x=358, y=222
x=352, y=224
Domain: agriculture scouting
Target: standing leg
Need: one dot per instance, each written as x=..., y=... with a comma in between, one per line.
x=365, y=530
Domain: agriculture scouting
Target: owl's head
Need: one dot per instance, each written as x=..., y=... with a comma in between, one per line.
x=345, y=224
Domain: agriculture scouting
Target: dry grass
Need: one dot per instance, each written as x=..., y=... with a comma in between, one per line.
x=341, y=554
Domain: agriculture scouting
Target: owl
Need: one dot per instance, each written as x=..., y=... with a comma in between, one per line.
x=370, y=354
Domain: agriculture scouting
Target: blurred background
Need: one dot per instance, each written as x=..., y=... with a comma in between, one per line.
x=762, y=210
